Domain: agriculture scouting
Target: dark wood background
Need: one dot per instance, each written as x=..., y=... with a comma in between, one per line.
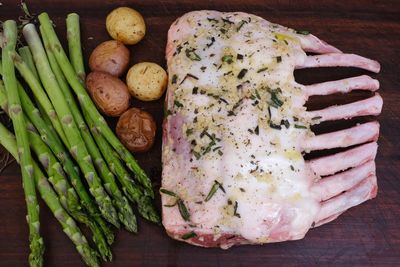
x=368, y=235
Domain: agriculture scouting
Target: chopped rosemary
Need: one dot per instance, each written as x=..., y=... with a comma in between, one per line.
x=257, y=130
x=167, y=192
x=227, y=58
x=235, y=210
x=189, y=75
x=269, y=112
x=262, y=69
x=196, y=154
x=216, y=148
x=209, y=146
x=227, y=73
x=286, y=123
x=174, y=79
x=227, y=21
x=278, y=59
x=223, y=100
x=276, y=102
x=241, y=25
x=274, y=126
x=167, y=112
x=214, y=189
x=204, y=132
x=242, y=73
x=212, y=20
x=178, y=104
x=300, y=126
x=189, y=131
x=212, y=42
x=316, y=118
x=237, y=104
x=303, y=32
x=190, y=53
x=178, y=50
x=239, y=56
x=195, y=90
x=231, y=113
x=183, y=210
x=189, y=235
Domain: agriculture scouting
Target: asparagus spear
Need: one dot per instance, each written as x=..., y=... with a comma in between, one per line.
x=26, y=56
x=55, y=144
x=125, y=213
x=75, y=141
x=88, y=105
x=131, y=190
x=67, y=194
x=10, y=82
x=89, y=256
x=74, y=45
x=39, y=94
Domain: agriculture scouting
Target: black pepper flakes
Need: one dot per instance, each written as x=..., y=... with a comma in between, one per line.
x=242, y=73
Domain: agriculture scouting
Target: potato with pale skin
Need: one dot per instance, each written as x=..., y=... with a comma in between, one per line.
x=126, y=25
x=109, y=93
x=136, y=129
x=147, y=81
x=110, y=56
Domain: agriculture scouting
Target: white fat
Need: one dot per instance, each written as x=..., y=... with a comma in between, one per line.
x=263, y=172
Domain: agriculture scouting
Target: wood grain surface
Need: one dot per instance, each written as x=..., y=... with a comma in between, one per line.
x=367, y=235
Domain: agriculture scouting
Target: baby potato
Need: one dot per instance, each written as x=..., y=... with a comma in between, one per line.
x=126, y=25
x=109, y=93
x=147, y=81
x=136, y=129
x=111, y=57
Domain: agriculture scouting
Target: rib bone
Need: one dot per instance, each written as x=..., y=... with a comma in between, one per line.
x=340, y=60
x=363, y=82
x=341, y=161
x=364, y=191
x=331, y=186
x=353, y=136
x=369, y=106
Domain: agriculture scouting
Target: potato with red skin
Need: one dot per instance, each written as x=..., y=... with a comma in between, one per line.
x=111, y=57
x=109, y=93
x=136, y=129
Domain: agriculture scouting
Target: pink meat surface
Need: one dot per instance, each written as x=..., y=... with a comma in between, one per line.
x=236, y=130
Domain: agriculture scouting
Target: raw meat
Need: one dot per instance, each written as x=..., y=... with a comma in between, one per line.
x=236, y=130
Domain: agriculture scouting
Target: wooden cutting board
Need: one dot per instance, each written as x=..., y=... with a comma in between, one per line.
x=365, y=236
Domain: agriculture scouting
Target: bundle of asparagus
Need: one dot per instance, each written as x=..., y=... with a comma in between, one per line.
x=69, y=140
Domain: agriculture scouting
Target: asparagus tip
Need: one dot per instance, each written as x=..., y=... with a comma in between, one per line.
x=37, y=251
